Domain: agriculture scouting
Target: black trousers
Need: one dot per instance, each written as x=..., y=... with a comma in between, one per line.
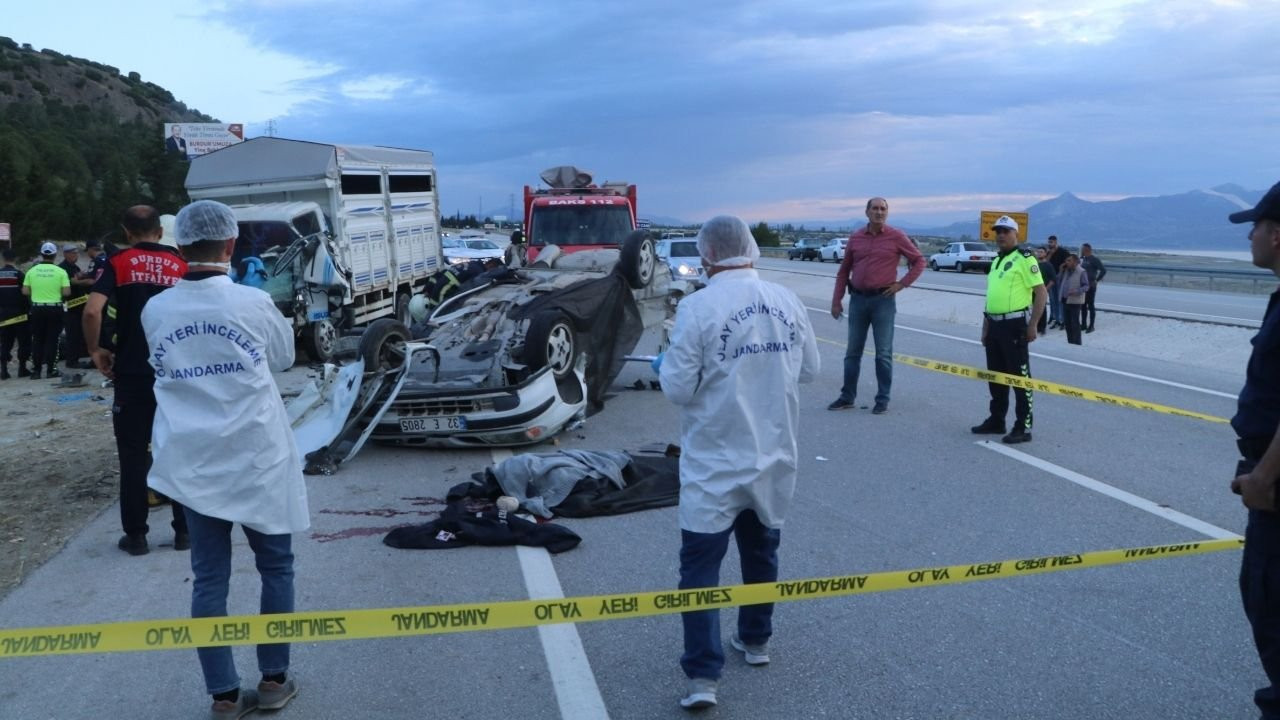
x=1006, y=346
x=132, y=413
x=19, y=334
x=1074, y=314
x=1088, y=307
x=46, y=326
x=1260, y=593
x=74, y=324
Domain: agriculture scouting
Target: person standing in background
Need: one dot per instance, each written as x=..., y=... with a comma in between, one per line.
x=1094, y=268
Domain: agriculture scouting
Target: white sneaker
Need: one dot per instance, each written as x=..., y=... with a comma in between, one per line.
x=754, y=654
x=701, y=695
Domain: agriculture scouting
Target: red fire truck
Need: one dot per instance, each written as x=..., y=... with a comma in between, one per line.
x=574, y=213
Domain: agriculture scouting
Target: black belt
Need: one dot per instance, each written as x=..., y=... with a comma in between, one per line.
x=1253, y=448
x=57, y=304
x=867, y=293
x=1015, y=315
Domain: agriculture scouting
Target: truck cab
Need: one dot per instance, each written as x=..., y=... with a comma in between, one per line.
x=575, y=214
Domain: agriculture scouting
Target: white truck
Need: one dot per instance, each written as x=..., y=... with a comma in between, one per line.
x=339, y=235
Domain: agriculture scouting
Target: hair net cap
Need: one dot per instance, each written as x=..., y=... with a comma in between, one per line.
x=205, y=220
x=726, y=241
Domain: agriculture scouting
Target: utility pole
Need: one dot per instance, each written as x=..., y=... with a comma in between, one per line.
x=271, y=128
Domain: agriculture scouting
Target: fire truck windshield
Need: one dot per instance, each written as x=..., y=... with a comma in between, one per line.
x=569, y=225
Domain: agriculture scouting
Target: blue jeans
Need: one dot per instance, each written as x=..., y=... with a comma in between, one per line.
x=1055, y=307
x=211, y=565
x=876, y=311
x=700, y=556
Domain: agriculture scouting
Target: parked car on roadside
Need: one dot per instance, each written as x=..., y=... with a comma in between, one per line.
x=833, y=250
x=961, y=256
x=466, y=249
x=681, y=255
x=805, y=249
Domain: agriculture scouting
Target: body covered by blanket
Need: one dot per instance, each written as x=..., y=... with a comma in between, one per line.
x=458, y=528
x=579, y=483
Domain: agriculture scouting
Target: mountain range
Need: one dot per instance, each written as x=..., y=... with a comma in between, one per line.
x=1195, y=220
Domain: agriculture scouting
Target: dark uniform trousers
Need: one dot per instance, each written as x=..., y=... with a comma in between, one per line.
x=132, y=413
x=1006, y=347
x=19, y=334
x=46, y=326
x=75, y=336
x=1260, y=584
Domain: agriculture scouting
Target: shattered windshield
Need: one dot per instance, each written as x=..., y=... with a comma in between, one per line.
x=580, y=225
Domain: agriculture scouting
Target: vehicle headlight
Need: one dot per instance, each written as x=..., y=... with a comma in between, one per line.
x=456, y=260
x=684, y=269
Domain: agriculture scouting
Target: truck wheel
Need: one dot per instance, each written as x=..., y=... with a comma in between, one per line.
x=550, y=342
x=320, y=340
x=402, y=309
x=638, y=259
x=382, y=345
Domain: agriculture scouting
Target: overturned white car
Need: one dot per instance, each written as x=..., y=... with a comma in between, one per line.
x=516, y=355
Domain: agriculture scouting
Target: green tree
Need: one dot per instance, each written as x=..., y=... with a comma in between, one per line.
x=765, y=237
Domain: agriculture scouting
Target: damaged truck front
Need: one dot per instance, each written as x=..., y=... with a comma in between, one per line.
x=338, y=235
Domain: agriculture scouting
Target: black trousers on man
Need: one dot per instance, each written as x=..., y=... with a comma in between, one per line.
x=1006, y=347
x=1088, y=308
x=1074, y=314
x=76, y=349
x=17, y=334
x=1259, y=581
x=132, y=413
x=46, y=326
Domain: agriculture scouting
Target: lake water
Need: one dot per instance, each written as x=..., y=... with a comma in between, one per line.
x=1223, y=254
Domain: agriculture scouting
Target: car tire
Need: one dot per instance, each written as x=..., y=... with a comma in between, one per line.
x=320, y=340
x=933, y=265
x=550, y=341
x=959, y=267
x=382, y=345
x=638, y=260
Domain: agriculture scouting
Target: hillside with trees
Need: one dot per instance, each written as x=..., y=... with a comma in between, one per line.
x=79, y=142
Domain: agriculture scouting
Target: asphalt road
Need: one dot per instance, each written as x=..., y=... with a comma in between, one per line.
x=1224, y=308
x=1155, y=640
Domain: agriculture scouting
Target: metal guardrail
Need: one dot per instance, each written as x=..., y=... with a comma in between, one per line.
x=1251, y=281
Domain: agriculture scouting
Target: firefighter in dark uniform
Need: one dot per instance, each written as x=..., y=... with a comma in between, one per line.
x=133, y=276
x=1256, y=422
x=72, y=322
x=1015, y=301
x=13, y=307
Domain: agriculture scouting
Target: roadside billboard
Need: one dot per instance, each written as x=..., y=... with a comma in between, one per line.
x=193, y=139
x=989, y=218
x=5, y=238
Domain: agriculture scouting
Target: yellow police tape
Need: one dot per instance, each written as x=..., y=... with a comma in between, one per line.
x=72, y=303
x=438, y=619
x=1027, y=383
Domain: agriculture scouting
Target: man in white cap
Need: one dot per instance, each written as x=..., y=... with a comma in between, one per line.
x=1015, y=301
x=47, y=285
x=222, y=444
x=739, y=349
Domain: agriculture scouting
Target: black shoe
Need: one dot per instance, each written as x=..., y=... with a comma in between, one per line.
x=181, y=541
x=840, y=404
x=53, y=372
x=1089, y=329
x=134, y=544
x=23, y=371
x=880, y=409
x=1017, y=436
x=990, y=426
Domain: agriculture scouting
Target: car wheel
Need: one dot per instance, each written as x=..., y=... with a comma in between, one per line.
x=402, y=309
x=638, y=259
x=933, y=265
x=959, y=268
x=382, y=345
x=551, y=342
x=320, y=340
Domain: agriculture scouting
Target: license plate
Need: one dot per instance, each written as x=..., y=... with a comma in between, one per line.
x=433, y=424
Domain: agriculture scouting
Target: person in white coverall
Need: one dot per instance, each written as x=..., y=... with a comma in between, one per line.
x=222, y=443
x=738, y=351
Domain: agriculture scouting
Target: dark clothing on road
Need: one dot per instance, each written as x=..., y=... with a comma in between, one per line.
x=46, y=325
x=1057, y=257
x=131, y=278
x=1050, y=276
x=1094, y=268
x=13, y=304
x=73, y=321
x=1256, y=420
x=132, y=413
x=1006, y=346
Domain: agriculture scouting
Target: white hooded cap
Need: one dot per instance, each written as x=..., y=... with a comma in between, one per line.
x=205, y=220
x=725, y=241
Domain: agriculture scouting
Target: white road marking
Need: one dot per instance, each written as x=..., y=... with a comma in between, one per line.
x=1091, y=366
x=575, y=684
x=1128, y=498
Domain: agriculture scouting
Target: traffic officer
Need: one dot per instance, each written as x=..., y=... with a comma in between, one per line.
x=47, y=285
x=13, y=317
x=80, y=284
x=1256, y=423
x=1015, y=301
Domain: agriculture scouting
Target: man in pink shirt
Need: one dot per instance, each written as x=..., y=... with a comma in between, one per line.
x=869, y=272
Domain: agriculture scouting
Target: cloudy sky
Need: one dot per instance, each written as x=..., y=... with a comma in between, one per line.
x=774, y=111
